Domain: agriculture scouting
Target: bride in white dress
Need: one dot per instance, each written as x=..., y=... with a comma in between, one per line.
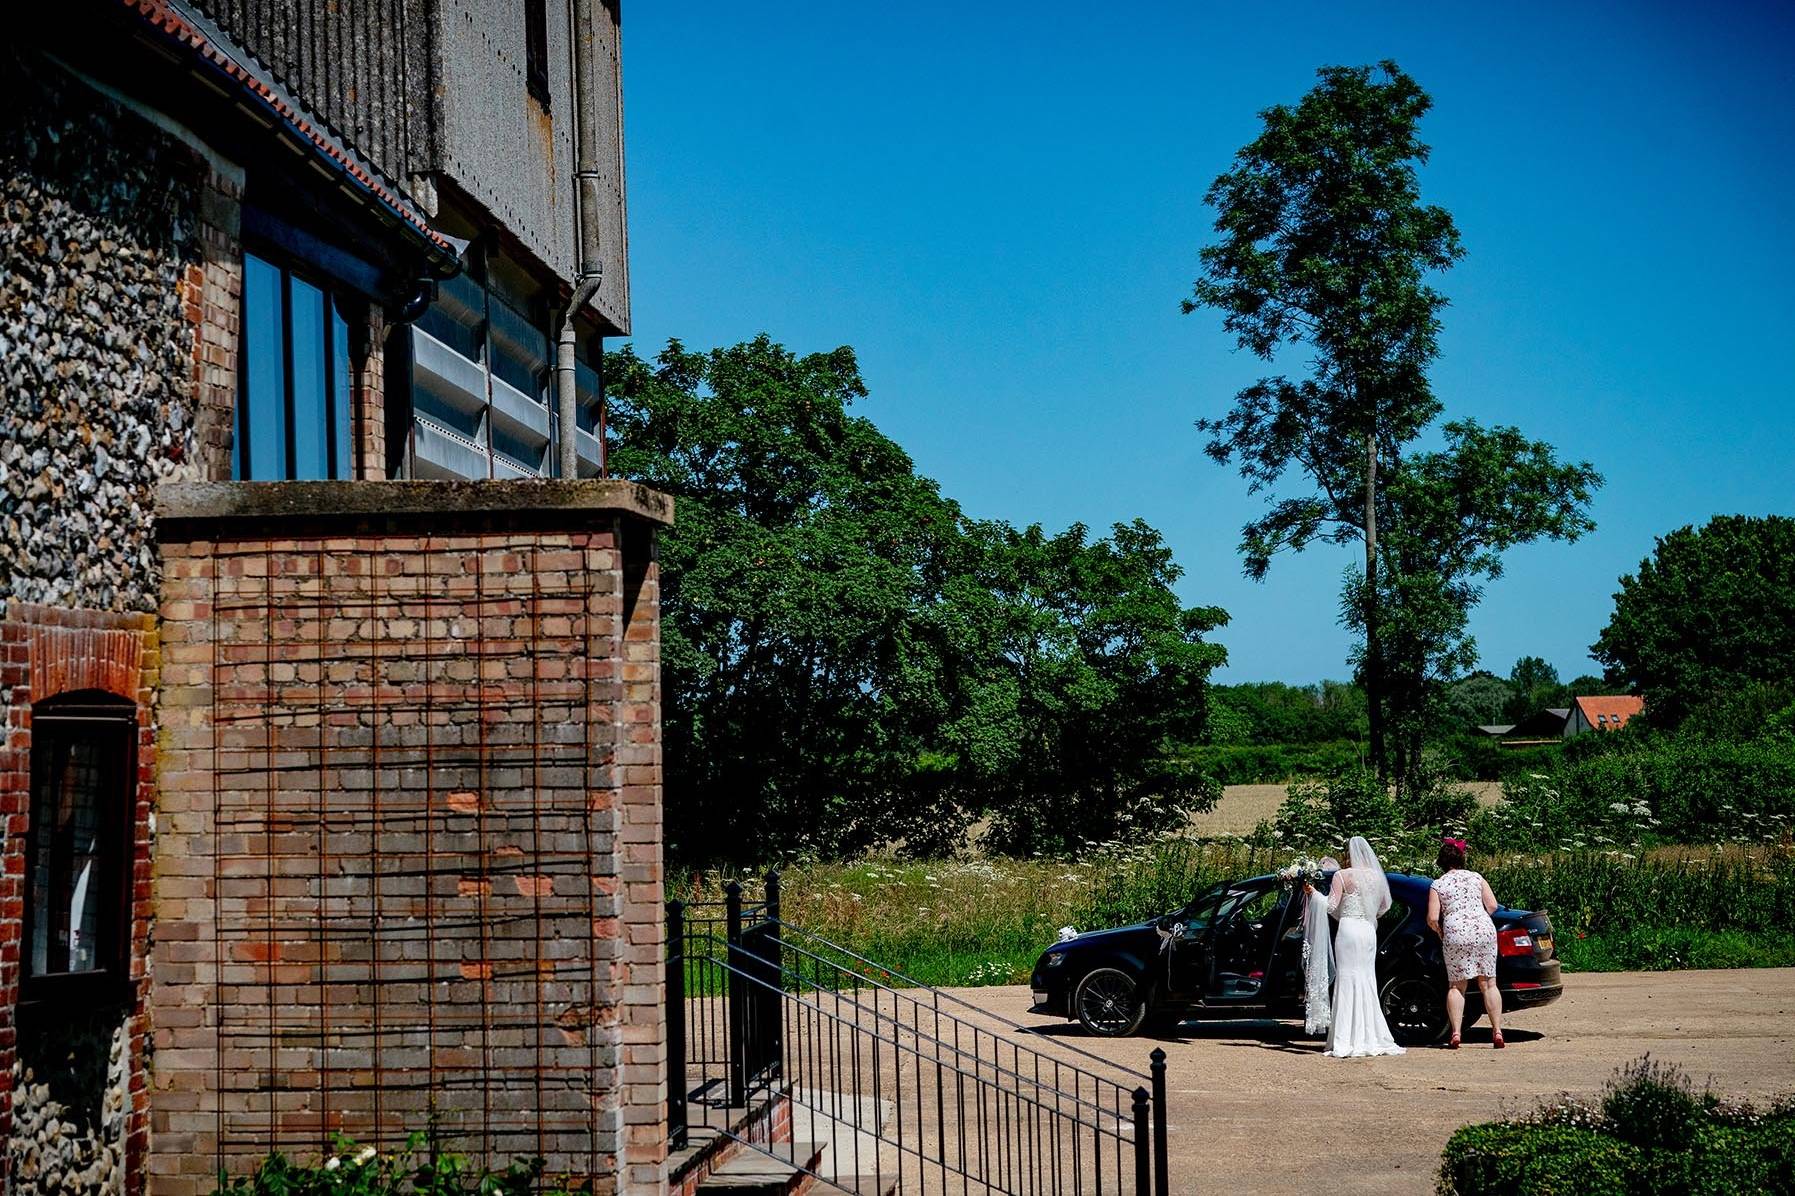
x=1357, y=898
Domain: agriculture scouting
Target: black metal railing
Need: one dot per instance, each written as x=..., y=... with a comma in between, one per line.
x=915, y=1090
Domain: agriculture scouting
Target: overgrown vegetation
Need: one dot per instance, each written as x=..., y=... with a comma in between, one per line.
x=1650, y=1131
x=960, y=922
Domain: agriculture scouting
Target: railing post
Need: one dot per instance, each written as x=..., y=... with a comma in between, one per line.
x=1161, y=1173
x=1143, y=1166
x=737, y=999
x=676, y=1024
x=773, y=1025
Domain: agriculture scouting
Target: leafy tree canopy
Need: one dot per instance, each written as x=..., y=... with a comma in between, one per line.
x=1711, y=610
x=850, y=662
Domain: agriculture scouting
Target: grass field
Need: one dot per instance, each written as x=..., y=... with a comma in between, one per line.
x=983, y=922
x=1243, y=807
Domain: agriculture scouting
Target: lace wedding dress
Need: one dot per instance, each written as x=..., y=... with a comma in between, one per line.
x=1358, y=896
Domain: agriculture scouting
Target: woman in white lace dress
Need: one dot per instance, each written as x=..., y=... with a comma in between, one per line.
x=1459, y=908
x=1357, y=898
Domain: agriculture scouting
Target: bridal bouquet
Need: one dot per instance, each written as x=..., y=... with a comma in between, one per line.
x=1301, y=871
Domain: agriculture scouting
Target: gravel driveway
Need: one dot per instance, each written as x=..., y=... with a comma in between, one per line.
x=1253, y=1108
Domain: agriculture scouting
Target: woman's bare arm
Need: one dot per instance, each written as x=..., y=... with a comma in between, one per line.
x=1489, y=898
x=1433, y=910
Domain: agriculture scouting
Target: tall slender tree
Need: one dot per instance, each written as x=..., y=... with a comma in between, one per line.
x=1324, y=242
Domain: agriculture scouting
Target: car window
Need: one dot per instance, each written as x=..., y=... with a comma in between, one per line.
x=1258, y=905
x=1200, y=913
x=1393, y=917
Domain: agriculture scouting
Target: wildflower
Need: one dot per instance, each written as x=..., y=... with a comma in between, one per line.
x=332, y=1163
x=367, y=1152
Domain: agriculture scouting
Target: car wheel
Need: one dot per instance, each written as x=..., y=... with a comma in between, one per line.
x=1415, y=1008
x=1108, y=1003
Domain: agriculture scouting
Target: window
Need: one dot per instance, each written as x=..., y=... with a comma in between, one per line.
x=78, y=857
x=536, y=49
x=293, y=394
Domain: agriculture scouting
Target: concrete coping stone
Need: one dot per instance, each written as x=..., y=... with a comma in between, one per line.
x=188, y=508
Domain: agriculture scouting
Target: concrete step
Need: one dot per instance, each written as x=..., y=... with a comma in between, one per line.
x=752, y=1173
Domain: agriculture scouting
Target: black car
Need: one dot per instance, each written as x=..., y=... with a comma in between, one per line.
x=1237, y=952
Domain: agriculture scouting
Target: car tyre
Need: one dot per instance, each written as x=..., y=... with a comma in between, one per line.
x=1415, y=1008
x=1108, y=1003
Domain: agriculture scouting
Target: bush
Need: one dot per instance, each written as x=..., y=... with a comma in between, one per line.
x=420, y=1168
x=1652, y=788
x=1652, y=1105
x=1509, y=1158
x=1271, y=764
x=1650, y=1133
x=1322, y=814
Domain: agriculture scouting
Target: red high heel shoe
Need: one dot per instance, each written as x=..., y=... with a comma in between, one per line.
x=1496, y=1038
x=1453, y=1045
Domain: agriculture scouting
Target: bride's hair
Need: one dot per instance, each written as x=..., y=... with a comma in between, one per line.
x=1374, y=886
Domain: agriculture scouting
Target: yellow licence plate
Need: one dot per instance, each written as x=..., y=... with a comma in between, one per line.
x=1543, y=942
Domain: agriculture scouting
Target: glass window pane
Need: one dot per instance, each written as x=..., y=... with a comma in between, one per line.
x=344, y=441
x=311, y=403
x=69, y=888
x=261, y=448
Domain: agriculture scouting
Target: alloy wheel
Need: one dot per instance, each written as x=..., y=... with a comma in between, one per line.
x=1415, y=1009
x=1109, y=1004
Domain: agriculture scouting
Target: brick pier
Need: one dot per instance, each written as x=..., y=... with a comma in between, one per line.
x=407, y=852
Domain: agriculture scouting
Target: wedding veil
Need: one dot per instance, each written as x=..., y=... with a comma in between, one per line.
x=1374, y=886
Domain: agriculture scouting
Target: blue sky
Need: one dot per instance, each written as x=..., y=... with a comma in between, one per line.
x=999, y=207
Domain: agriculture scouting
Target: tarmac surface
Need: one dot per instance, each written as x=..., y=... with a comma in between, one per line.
x=1255, y=1107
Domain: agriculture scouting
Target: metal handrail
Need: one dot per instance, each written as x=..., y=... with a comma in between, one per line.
x=943, y=995
x=779, y=1018
x=1023, y=1130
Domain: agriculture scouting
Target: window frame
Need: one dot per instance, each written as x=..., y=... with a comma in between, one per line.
x=340, y=459
x=116, y=718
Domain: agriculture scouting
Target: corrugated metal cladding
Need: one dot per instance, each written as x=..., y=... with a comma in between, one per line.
x=607, y=112
x=438, y=86
x=361, y=65
x=516, y=158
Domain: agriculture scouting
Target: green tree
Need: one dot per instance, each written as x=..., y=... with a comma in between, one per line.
x=1091, y=676
x=849, y=662
x=1450, y=514
x=1477, y=700
x=1324, y=241
x=1709, y=610
x=800, y=666
x=1535, y=686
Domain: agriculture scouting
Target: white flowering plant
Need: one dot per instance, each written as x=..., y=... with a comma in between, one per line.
x=420, y=1168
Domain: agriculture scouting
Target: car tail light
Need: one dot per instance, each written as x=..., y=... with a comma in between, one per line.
x=1514, y=941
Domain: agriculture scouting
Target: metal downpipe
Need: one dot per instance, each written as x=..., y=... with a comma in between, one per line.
x=589, y=265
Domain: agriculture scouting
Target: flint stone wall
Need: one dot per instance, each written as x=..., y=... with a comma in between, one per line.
x=100, y=243
x=101, y=248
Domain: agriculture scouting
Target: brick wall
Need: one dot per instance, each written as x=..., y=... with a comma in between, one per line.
x=409, y=840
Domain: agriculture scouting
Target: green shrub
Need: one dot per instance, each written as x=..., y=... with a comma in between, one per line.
x=1517, y=1159
x=1672, y=948
x=1652, y=788
x=1652, y=1105
x=1650, y=1134
x=1730, y=1160
x=1323, y=814
x=420, y=1168
x=1273, y=763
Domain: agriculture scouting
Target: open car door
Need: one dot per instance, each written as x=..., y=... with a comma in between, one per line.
x=1221, y=945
